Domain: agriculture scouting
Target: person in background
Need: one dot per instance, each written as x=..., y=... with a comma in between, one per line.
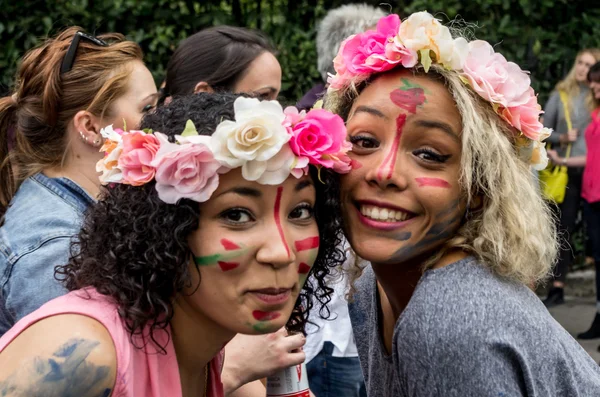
x=449, y=224
x=338, y=24
x=223, y=58
x=332, y=359
x=67, y=89
x=590, y=187
x=191, y=242
x=575, y=89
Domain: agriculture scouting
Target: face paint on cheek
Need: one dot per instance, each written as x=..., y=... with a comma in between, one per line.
x=227, y=266
x=389, y=161
x=307, y=244
x=224, y=259
x=436, y=234
x=303, y=268
x=278, y=219
x=433, y=182
x=265, y=316
x=229, y=245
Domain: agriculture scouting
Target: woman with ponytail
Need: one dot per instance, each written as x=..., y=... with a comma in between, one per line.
x=66, y=91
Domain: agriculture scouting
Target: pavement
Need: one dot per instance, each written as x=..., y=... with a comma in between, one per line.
x=576, y=316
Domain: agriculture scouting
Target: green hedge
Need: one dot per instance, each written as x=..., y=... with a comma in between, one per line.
x=541, y=35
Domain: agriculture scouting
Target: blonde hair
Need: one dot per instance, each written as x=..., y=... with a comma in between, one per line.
x=513, y=233
x=569, y=84
x=45, y=101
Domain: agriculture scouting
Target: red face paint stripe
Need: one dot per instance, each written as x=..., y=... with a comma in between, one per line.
x=278, y=220
x=400, y=121
x=435, y=182
x=265, y=316
x=390, y=158
x=307, y=244
x=227, y=266
x=303, y=268
x=229, y=245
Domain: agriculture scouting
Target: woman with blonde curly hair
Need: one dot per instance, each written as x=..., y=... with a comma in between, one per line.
x=445, y=215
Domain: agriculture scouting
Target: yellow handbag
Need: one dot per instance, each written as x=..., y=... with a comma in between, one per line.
x=554, y=178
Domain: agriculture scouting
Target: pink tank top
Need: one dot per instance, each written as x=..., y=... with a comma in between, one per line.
x=138, y=374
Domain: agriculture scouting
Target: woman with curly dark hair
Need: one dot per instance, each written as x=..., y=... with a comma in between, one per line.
x=206, y=229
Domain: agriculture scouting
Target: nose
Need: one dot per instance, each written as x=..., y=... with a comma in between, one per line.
x=386, y=171
x=275, y=250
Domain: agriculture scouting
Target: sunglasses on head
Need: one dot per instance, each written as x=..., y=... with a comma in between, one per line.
x=67, y=63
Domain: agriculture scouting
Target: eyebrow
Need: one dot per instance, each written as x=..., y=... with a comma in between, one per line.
x=370, y=110
x=271, y=90
x=156, y=94
x=440, y=126
x=243, y=191
x=302, y=185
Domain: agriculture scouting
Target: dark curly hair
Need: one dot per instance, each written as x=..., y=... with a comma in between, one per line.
x=133, y=246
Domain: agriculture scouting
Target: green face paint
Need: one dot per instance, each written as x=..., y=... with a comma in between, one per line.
x=216, y=258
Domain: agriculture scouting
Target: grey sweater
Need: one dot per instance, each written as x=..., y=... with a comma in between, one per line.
x=467, y=332
x=554, y=117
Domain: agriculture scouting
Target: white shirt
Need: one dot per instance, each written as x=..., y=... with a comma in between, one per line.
x=337, y=329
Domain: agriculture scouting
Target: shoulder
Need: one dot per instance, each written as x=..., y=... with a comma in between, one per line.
x=67, y=354
x=38, y=219
x=466, y=300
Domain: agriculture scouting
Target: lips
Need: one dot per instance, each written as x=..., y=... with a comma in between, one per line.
x=383, y=216
x=272, y=296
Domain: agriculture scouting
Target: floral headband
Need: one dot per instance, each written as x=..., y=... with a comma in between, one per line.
x=423, y=39
x=267, y=142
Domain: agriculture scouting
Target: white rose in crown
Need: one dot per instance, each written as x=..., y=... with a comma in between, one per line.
x=254, y=141
x=422, y=33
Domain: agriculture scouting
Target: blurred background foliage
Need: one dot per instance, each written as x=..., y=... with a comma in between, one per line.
x=543, y=36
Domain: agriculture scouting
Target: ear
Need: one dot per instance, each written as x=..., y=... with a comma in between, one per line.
x=88, y=127
x=203, y=86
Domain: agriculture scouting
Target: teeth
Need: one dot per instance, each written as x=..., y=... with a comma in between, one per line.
x=383, y=214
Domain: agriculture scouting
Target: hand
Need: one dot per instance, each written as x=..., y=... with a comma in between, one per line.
x=251, y=357
x=569, y=137
x=554, y=157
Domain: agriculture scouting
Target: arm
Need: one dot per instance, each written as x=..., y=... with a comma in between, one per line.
x=249, y=357
x=550, y=117
x=61, y=355
x=251, y=389
x=577, y=161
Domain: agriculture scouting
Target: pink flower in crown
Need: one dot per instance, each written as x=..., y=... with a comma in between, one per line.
x=526, y=118
x=371, y=52
x=494, y=78
x=188, y=170
x=139, y=149
x=321, y=138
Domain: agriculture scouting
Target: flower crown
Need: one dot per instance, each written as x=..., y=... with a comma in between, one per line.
x=423, y=39
x=267, y=142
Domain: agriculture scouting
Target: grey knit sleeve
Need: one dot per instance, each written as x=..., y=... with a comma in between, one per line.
x=551, y=112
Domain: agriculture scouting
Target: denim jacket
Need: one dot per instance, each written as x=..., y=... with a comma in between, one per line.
x=42, y=219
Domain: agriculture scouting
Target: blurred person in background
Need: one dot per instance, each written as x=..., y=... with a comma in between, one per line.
x=333, y=366
x=223, y=58
x=335, y=27
x=67, y=89
x=590, y=188
x=576, y=88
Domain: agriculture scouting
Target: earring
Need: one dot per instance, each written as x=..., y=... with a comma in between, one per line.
x=97, y=141
x=83, y=136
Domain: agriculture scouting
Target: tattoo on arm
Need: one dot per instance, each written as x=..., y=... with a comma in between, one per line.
x=65, y=374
